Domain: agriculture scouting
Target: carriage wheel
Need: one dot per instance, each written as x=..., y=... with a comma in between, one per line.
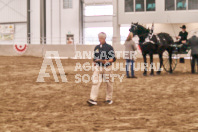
x=196, y=64
x=166, y=63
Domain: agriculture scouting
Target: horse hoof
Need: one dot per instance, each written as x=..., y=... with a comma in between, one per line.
x=171, y=72
x=144, y=74
x=159, y=72
x=152, y=74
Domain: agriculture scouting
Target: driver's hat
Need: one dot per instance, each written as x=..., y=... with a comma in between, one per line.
x=183, y=27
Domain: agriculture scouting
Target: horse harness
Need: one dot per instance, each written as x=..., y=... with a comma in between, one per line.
x=157, y=38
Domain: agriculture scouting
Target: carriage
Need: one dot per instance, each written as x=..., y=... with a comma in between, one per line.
x=178, y=51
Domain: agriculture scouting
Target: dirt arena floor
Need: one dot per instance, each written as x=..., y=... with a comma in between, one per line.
x=165, y=103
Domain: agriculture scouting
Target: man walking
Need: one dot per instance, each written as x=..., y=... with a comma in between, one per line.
x=193, y=42
x=104, y=56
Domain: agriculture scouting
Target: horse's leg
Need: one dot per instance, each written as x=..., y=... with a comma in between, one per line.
x=145, y=65
x=161, y=63
x=151, y=64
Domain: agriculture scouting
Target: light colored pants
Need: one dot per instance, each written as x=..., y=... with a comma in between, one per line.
x=100, y=75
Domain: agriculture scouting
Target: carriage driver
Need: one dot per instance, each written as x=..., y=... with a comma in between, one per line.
x=183, y=35
x=182, y=39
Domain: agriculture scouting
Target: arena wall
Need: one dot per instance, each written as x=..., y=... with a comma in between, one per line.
x=65, y=51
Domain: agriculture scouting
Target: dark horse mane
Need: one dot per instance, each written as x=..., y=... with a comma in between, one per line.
x=142, y=32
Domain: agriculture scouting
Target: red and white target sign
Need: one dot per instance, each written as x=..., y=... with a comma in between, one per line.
x=20, y=48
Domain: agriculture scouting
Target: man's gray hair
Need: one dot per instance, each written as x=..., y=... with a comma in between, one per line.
x=102, y=34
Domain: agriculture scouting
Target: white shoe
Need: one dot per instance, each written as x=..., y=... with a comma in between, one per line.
x=92, y=102
x=109, y=102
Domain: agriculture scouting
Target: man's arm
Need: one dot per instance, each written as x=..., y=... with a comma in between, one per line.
x=111, y=55
x=179, y=36
x=95, y=54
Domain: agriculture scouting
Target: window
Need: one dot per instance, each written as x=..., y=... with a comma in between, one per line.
x=67, y=4
x=129, y=5
x=181, y=4
x=99, y=10
x=139, y=5
x=150, y=5
x=169, y=5
x=192, y=4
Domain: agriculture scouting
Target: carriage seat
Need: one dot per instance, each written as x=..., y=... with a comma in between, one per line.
x=181, y=48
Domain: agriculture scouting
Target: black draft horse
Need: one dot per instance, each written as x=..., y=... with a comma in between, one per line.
x=157, y=44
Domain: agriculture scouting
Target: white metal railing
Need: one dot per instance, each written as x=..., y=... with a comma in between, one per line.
x=58, y=40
